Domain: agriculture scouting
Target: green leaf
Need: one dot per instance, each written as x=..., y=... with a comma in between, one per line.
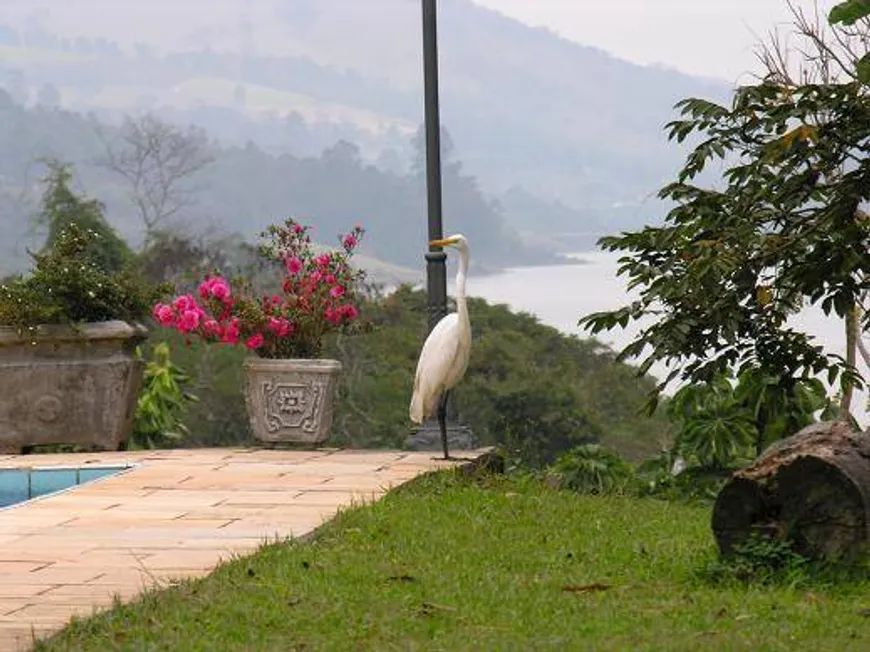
x=863, y=69
x=850, y=12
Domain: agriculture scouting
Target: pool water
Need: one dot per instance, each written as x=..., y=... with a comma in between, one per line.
x=20, y=485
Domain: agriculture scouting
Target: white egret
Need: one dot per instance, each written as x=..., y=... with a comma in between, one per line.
x=444, y=357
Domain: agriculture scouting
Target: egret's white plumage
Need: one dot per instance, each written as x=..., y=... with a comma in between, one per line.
x=440, y=367
x=445, y=354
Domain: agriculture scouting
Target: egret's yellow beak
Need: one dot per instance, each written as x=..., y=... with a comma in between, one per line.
x=446, y=242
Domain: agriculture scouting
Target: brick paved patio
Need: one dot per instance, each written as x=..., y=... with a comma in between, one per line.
x=176, y=514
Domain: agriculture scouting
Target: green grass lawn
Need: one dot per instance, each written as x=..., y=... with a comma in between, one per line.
x=455, y=564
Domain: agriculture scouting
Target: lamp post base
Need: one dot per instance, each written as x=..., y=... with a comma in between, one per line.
x=428, y=438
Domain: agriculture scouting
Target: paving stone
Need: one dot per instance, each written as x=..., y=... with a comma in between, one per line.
x=86, y=593
x=50, y=575
x=336, y=498
x=19, y=566
x=22, y=592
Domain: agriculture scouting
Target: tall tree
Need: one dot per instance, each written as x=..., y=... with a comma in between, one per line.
x=158, y=161
x=722, y=276
x=62, y=207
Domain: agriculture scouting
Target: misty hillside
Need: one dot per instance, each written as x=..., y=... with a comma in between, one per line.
x=243, y=190
x=529, y=111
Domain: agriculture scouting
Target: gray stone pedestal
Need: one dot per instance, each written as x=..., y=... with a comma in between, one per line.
x=428, y=438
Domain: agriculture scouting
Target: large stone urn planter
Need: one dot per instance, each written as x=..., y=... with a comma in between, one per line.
x=72, y=386
x=291, y=401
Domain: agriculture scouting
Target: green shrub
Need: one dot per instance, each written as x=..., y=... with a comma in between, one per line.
x=84, y=273
x=761, y=560
x=593, y=469
x=692, y=484
x=163, y=401
x=67, y=287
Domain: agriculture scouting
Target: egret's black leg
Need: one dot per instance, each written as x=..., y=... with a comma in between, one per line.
x=442, y=422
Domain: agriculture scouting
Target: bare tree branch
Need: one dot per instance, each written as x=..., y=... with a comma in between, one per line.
x=158, y=161
x=827, y=54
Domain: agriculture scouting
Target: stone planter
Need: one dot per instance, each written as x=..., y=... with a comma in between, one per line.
x=73, y=386
x=291, y=401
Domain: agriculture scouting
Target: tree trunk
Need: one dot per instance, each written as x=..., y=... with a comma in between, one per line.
x=812, y=489
x=853, y=332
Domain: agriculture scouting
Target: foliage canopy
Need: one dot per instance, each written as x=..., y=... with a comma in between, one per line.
x=731, y=264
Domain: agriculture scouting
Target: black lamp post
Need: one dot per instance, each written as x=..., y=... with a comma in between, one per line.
x=429, y=436
x=436, y=259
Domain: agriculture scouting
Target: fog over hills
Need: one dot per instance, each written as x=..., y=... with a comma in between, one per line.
x=555, y=133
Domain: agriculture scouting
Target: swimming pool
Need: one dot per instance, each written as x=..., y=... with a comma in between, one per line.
x=20, y=485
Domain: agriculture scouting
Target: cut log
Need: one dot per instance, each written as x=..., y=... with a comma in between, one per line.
x=812, y=489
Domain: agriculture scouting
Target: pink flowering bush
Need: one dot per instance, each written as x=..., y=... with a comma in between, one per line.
x=319, y=294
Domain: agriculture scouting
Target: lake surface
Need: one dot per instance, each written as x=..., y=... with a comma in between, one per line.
x=561, y=295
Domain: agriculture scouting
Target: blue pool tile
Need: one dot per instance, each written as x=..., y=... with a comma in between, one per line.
x=44, y=481
x=20, y=485
x=86, y=475
x=14, y=487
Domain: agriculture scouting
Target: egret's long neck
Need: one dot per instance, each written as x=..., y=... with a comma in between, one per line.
x=461, y=308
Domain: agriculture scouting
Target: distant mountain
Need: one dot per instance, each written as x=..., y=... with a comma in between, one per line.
x=527, y=109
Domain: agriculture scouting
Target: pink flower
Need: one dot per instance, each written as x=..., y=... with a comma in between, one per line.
x=231, y=332
x=293, y=264
x=349, y=312
x=164, y=314
x=220, y=289
x=316, y=292
x=188, y=321
x=333, y=316
x=216, y=287
x=212, y=328
x=185, y=302
x=255, y=341
x=281, y=327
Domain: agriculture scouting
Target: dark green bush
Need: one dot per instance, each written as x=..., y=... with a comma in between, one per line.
x=84, y=273
x=590, y=468
x=762, y=560
x=66, y=286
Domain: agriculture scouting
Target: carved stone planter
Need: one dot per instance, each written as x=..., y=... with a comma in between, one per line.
x=291, y=401
x=73, y=386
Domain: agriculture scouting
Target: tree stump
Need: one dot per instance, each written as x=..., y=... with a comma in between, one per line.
x=812, y=489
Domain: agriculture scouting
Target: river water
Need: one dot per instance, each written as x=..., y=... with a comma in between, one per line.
x=561, y=295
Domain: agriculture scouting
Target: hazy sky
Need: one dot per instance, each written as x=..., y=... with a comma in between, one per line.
x=706, y=37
